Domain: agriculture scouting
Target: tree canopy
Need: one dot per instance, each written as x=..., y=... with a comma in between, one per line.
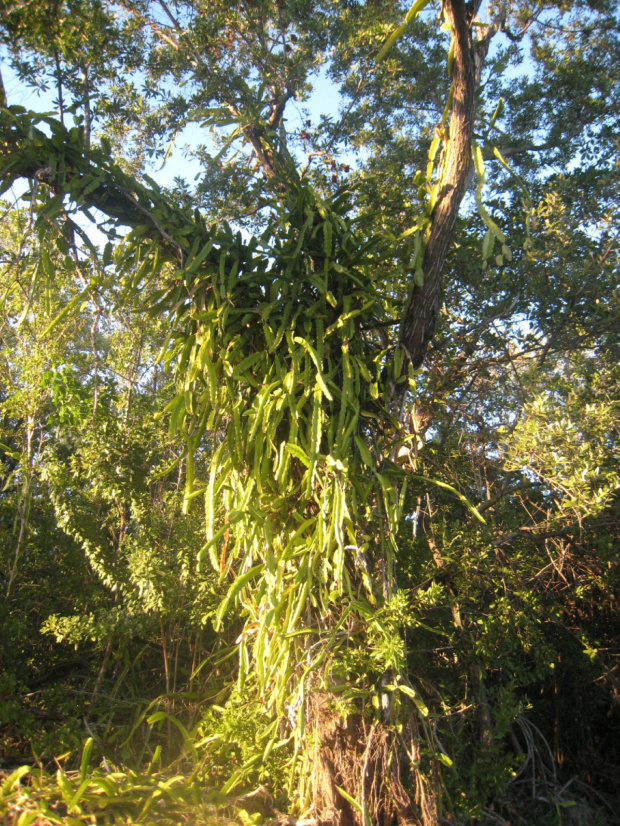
x=310, y=452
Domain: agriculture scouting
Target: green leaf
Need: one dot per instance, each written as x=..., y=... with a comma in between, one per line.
x=86, y=755
x=413, y=12
x=313, y=355
x=73, y=805
x=363, y=451
x=413, y=695
x=75, y=302
x=187, y=738
x=443, y=758
x=454, y=491
x=234, y=589
x=327, y=239
x=298, y=453
x=350, y=800
x=14, y=778
x=216, y=538
x=26, y=818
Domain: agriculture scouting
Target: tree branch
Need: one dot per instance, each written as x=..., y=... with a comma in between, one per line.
x=89, y=178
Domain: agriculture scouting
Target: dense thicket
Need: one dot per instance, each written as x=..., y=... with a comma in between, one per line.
x=310, y=462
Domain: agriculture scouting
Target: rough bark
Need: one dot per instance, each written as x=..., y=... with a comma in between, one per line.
x=365, y=761
x=418, y=324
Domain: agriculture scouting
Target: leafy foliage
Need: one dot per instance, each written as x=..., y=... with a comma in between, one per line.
x=400, y=604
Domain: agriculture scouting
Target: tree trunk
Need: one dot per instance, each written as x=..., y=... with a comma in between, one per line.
x=365, y=761
x=368, y=762
x=418, y=325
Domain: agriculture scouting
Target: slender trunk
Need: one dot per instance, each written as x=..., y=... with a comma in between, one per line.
x=196, y=648
x=61, y=104
x=94, y=330
x=177, y=646
x=87, y=116
x=164, y=649
x=23, y=512
x=102, y=670
x=3, y=100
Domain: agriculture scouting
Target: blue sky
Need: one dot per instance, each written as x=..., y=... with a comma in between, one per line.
x=324, y=100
